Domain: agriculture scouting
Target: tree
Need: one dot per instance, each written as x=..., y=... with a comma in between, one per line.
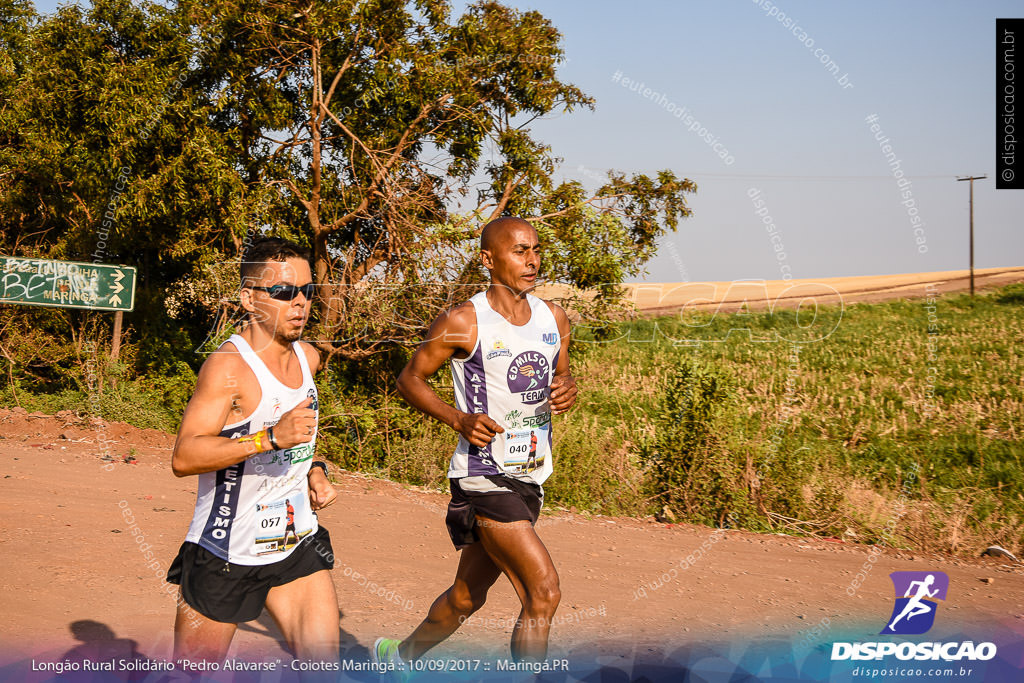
x=106, y=155
x=375, y=116
x=383, y=133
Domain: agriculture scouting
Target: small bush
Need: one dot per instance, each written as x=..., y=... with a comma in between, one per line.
x=1011, y=295
x=689, y=467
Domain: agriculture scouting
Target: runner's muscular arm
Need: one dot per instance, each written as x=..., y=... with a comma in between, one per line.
x=563, y=385
x=450, y=333
x=199, y=447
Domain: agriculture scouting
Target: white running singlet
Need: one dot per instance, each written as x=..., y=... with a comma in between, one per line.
x=508, y=376
x=242, y=513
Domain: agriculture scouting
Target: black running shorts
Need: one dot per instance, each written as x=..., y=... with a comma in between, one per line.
x=512, y=500
x=233, y=593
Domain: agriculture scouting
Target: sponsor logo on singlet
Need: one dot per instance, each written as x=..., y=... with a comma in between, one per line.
x=498, y=350
x=549, y=338
x=299, y=453
x=537, y=420
x=529, y=376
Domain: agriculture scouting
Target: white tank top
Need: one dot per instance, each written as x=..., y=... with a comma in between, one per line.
x=508, y=376
x=256, y=511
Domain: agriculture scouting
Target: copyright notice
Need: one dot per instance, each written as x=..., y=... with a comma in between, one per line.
x=1008, y=176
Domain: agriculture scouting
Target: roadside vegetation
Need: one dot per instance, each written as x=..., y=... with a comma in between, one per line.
x=858, y=424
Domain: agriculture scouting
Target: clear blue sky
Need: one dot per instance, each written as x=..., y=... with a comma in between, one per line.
x=925, y=69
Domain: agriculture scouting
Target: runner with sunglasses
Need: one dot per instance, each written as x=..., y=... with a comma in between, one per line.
x=249, y=432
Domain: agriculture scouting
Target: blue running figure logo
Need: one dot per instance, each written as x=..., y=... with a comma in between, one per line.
x=917, y=594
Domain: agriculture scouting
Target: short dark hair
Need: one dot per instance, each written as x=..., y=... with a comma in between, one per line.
x=266, y=249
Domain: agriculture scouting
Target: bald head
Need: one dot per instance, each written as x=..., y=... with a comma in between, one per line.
x=510, y=250
x=497, y=230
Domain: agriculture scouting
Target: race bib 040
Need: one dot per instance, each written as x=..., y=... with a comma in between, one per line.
x=521, y=449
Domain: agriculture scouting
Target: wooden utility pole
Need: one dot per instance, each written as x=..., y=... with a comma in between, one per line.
x=972, y=179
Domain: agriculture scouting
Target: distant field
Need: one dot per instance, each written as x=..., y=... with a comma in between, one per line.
x=662, y=298
x=894, y=422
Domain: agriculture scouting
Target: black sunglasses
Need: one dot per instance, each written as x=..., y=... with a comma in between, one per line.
x=288, y=292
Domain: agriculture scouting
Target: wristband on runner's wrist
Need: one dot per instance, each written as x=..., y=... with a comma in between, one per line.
x=256, y=438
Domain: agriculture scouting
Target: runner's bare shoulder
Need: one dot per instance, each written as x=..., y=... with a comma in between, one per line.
x=312, y=356
x=222, y=372
x=460, y=316
x=561, y=317
x=456, y=327
x=218, y=398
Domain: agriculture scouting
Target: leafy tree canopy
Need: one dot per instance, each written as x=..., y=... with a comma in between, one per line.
x=382, y=133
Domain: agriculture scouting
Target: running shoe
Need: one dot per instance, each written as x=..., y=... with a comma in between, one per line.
x=385, y=651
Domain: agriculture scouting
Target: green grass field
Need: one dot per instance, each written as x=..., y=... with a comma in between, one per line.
x=896, y=423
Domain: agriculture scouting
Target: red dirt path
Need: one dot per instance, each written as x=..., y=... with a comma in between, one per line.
x=67, y=556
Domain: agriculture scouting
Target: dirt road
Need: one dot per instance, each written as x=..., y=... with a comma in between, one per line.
x=639, y=597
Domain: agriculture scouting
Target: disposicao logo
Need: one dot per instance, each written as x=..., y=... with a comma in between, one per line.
x=917, y=595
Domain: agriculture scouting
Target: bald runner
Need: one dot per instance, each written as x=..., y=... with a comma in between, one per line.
x=508, y=352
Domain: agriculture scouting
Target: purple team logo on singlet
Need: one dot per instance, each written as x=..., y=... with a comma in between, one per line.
x=529, y=376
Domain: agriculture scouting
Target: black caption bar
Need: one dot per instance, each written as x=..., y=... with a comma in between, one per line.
x=1009, y=160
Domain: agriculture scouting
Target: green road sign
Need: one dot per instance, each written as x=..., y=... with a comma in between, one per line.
x=66, y=284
